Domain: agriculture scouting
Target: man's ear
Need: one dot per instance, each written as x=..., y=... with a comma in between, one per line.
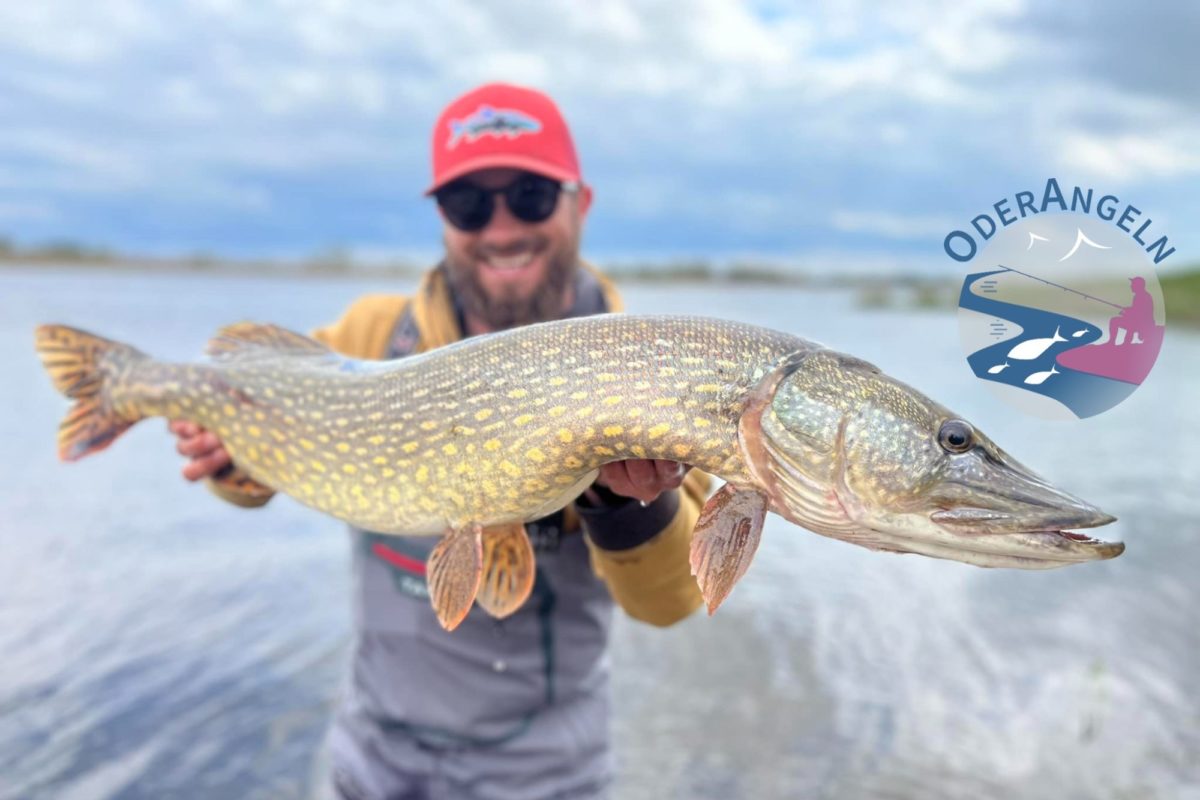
x=584, y=199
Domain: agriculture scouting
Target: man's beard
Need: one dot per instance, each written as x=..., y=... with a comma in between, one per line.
x=500, y=313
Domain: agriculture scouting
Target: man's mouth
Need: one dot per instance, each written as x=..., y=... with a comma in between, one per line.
x=509, y=263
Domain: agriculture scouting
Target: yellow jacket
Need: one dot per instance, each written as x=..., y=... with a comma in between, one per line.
x=652, y=581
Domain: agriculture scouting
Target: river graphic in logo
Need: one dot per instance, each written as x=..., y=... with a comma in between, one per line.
x=1062, y=314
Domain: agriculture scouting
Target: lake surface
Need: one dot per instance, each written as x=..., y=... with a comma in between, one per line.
x=157, y=642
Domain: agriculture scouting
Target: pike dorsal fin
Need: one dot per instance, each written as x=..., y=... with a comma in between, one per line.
x=243, y=339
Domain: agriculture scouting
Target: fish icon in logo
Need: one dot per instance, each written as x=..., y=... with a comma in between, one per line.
x=1033, y=348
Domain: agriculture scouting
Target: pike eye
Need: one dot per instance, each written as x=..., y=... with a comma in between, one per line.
x=956, y=436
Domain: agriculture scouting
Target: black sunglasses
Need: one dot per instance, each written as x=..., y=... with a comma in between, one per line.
x=530, y=198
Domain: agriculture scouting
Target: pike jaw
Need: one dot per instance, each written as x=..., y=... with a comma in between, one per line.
x=856, y=455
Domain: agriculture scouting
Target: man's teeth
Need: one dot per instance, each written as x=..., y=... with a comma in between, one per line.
x=517, y=261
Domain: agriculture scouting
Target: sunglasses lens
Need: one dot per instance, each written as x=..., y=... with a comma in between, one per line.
x=466, y=206
x=532, y=198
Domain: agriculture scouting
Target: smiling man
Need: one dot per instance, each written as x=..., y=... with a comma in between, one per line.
x=513, y=708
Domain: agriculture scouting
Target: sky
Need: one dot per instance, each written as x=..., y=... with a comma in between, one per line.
x=826, y=135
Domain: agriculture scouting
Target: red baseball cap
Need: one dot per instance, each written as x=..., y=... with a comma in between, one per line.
x=501, y=125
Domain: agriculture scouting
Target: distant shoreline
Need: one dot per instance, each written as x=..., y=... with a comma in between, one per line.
x=873, y=292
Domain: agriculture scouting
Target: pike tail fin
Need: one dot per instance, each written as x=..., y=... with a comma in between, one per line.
x=83, y=367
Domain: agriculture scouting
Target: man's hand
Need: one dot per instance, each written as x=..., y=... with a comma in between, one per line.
x=206, y=453
x=642, y=479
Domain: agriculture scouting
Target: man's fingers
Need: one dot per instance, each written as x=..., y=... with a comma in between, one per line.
x=199, y=445
x=670, y=473
x=206, y=466
x=644, y=476
x=181, y=427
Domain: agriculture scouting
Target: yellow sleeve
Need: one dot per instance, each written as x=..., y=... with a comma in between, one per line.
x=653, y=582
x=362, y=332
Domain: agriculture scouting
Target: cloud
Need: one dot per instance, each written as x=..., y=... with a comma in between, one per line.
x=720, y=127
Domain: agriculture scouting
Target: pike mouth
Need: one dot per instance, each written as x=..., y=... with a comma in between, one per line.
x=992, y=533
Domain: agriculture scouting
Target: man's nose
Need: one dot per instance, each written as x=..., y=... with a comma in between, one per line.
x=503, y=226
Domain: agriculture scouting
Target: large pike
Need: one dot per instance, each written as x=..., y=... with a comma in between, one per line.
x=470, y=441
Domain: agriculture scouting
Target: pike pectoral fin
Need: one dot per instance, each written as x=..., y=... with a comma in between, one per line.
x=508, y=569
x=453, y=573
x=233, y=480
x=725, y=540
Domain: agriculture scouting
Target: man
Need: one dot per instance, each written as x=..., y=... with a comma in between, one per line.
x=514, y=708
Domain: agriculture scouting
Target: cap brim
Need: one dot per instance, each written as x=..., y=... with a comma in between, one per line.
x=501, y=160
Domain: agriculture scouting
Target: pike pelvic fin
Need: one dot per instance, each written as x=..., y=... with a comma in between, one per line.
x=454, y=572
x=247, y=339
x=725, y=540
x=83, y=366
x=508, y=569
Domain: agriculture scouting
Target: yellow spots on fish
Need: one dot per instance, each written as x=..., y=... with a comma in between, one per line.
x=410, y=447
x=229, y=410
x=638, y=451
x=483, y=414
x=387, y=472
x=535, y=455
x=186, y=402
x=323, y=438
x=564, y=480
x=707, y=388
x=510, y=469
x=377, y=440
x=317, y=465
x=280, y=456
x=601, y=450
x=701, y=422
x=565, y=436
x=450, y=449
x=613, y=430
x=307, y=444
x=342, y=447
x=393, y=495
x=523, y=419
x=427, y=504
x=586, y=411
x=665, y=401
x=491, y=445
x=606, y=377
x=422, y=475
x=454, y=497
x=489, y=488
x=252, y=453
x=557, y=380
x=681, y=450
x=612, y=400
x=174, y=410
x=533, y=485
x=572, y=462
x=517, y=394
x=428, y=425
x=658, y=431
x=462, y=430
x=349, y=469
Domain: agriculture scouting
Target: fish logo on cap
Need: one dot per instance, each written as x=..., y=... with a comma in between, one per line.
x=488, y=121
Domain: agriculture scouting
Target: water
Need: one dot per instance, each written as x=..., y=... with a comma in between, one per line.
x=157, y=642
